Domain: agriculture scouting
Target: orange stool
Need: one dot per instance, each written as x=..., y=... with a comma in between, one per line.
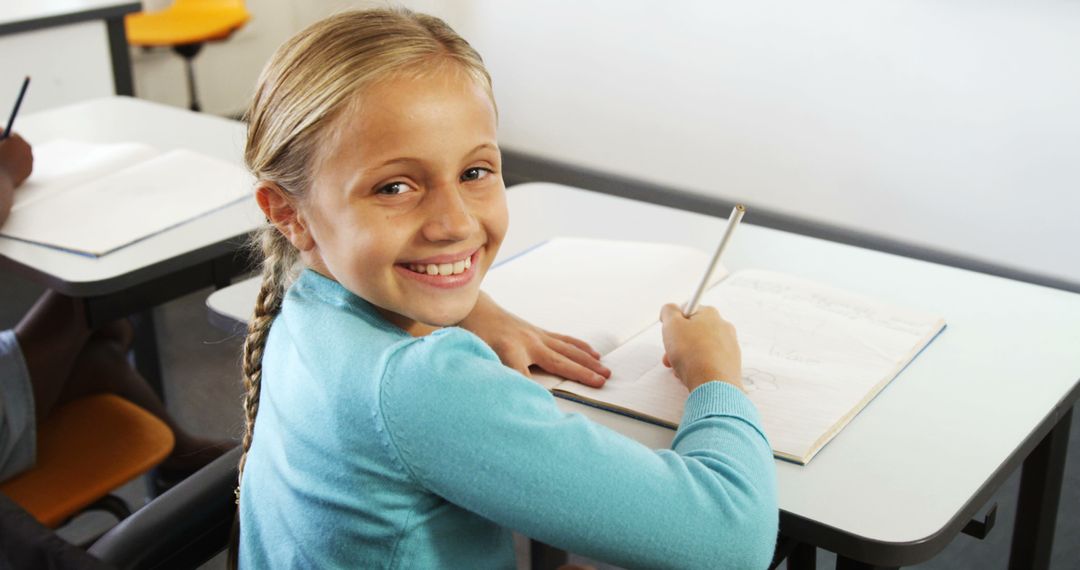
x=185, y=26
x=86, y=449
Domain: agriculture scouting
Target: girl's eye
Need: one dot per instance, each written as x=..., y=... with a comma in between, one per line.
x=394, y=188
x=475, y=173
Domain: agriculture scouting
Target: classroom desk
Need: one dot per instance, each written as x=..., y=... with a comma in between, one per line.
x=62, y=45
x=995, y=390
x=162, y=267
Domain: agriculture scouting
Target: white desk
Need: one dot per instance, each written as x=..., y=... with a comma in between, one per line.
x=898, y=484
x=119, y=119
x=138, y=277
x=74, y=49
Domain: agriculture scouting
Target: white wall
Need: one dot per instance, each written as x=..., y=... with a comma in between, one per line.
x=66, y=64
x=954, y=124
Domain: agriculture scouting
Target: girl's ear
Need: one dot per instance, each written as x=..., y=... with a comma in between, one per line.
x=281, y=210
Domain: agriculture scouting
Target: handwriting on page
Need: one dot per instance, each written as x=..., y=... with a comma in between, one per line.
x=811, y=353
x=847, y=306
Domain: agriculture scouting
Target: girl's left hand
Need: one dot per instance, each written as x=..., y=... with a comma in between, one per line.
x=520, y=345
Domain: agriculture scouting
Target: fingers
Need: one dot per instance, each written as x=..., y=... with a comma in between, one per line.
x=586, y=356
x=670, y=310
x=573, y=363
x=576, y=342
x=16, y=158
x=560, y=365
x=516, y=359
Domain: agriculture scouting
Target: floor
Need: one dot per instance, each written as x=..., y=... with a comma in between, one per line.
x=202, y=386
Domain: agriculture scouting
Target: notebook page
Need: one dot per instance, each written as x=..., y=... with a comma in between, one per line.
x=110, y=212
x=62, y=163
x=813, y=356
x=601, y=291
x=640, y=384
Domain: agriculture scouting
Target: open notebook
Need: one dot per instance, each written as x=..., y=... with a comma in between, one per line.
x=813, y=356
x=92, y=199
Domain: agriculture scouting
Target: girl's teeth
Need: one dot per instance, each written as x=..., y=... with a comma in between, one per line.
x=442, y=268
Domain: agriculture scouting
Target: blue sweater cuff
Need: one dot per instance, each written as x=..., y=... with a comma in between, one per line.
x=720, y=399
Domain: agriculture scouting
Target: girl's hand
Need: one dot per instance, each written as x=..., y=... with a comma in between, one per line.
x=701, y=348
x=520, y=345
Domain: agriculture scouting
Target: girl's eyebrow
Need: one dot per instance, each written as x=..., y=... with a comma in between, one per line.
x=489, y=146
x=405, y=159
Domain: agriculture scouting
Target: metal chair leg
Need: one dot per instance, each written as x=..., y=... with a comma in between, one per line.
x=188, y=52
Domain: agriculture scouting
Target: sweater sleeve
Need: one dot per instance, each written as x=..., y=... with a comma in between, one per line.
x=489, y=440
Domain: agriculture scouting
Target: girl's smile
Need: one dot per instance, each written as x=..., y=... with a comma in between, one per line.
x=443, y=271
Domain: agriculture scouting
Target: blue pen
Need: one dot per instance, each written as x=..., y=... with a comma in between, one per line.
x=15, y=111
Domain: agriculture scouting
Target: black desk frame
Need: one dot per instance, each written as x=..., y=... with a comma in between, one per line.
x=135, y=294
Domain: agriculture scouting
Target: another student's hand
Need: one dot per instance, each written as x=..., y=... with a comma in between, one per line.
x=520, y=345
x=701, y=348
x=16, y=159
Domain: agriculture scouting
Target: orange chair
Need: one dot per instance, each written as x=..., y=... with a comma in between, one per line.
x=86, y=449
x=185, y=26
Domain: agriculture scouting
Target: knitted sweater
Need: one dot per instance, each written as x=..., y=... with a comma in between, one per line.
x=374, y=449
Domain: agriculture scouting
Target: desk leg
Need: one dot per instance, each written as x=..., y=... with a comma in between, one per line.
x=803, y=557
x=1037, y=505
x=849, y=564
x=544, y=557
x=121, y=59
x=145, y=349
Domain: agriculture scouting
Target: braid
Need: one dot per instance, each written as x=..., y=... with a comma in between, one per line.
x=278, y=259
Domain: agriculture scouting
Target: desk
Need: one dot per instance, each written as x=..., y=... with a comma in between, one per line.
x=60, y=43
x=178, y=261
x=994, y=390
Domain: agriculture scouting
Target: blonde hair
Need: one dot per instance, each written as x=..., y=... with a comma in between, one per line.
x=312, y=79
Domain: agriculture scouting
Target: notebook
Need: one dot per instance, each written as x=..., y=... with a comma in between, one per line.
x=813, y=356
x=93, y=199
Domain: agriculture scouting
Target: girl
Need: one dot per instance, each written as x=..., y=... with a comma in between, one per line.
x=386, y=435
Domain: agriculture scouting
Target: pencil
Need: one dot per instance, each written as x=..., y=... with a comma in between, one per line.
x=732, y=222
x=15, y=111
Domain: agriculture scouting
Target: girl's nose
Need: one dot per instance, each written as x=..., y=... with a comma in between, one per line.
x=450, y=217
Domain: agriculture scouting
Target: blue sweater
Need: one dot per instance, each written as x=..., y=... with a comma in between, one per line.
x=374, y=449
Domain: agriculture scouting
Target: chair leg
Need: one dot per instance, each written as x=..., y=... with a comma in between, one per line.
x=188, y=52
x=111, y=504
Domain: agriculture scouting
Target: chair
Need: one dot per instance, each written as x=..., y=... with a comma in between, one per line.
x=87, y=448
x=185, y=26
x=26, y=543
x=183, y=528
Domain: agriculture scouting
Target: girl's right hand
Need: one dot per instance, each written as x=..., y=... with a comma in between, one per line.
x=701, y=348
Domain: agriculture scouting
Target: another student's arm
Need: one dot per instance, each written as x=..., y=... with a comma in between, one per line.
x=16, y=162
x=496, y=444
x=520, y=345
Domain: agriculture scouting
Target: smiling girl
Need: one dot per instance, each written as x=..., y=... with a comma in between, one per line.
x=388, y=434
